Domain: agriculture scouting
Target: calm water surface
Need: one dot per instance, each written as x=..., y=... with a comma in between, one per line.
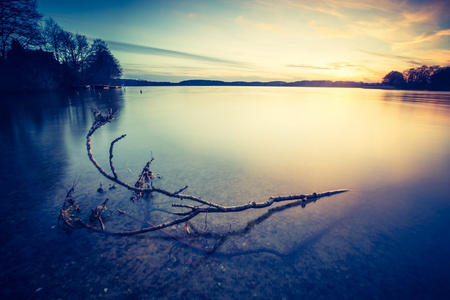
x=387, y=238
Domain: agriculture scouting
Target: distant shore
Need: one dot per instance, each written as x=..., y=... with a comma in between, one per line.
x=303, y=83
x=203, y=82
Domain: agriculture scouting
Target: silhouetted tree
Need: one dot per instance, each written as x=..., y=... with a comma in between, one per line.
x=82, y=50
x=440, y=80
x=71, y=49
x=69, y=59
x=74, y=52
x=422, y=78
x=419, y=78
x=19, y=20
x=102, y=65
x=29, y=70
x=52, y=34
x=394, y=78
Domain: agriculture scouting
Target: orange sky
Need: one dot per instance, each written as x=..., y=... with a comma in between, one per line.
x=263, y=40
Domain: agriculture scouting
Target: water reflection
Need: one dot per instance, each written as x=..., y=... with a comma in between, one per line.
x=418, y=97
x=35, y=154
x=334, y=138
x=385, y=238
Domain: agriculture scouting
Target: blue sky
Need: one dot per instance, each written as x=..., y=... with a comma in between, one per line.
x=262, y=40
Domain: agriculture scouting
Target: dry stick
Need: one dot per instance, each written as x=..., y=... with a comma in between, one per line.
x=224, y=209
x=111, y=154
x=194, y=213
x=144, y=230
x=145, y=177
x=68, y=206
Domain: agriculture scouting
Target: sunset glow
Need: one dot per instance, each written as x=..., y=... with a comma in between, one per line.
x=262, y=40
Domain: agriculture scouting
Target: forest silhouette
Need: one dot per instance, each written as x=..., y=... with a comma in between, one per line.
x=37, y=54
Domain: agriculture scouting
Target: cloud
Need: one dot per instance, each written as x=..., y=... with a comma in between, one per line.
x=427, y=12
x=334, y=8
x=407, y=59
x=330, y=32
x=192, y=15
x=343, y=65
x=415, y=11
x=263, y=26
x=430, y=36
x=241, y=20
x=310, y=5
x=308, y=67
x=270, y=27
x=329, y=66
x=134, y=48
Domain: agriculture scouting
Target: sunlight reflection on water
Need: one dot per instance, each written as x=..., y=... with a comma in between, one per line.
x=232, y=145
x=292, y=134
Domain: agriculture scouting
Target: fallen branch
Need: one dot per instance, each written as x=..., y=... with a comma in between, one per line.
x=96, y=214
x=144, y=186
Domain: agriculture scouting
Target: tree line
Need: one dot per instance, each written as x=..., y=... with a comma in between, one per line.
x=37, y=54
x=422, y=78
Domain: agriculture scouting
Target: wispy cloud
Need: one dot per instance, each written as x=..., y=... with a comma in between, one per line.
x=329, y=66
x=270, y=27
x=431, y=12
x=344, y=65
x=415, y=12
x=334, y=8
x=261, y=25
x=134, y=48
x=329, y=32
x=407, y=59
x=241, y=20
x=430, y=36
x=310, y=5
x=304, y=66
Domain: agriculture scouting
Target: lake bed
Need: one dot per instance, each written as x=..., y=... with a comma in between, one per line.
x=384, y=238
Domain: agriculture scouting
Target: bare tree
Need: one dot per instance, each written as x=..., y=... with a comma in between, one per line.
x=19, y=20
x=83, y=50
x=70, y=49
x=187, y=207
x=102, y=65
x=52, y=33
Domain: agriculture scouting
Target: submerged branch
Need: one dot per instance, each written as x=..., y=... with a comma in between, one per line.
x=144, y=186
x=304, y=198
x=113, y=170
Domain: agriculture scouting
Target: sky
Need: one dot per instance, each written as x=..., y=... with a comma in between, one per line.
x=262, y=40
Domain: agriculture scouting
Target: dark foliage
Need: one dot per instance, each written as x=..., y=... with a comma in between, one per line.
x=440, y=80
x=395, y=79
x=35, y=57
x=70, y=49
x=103, y=67
x=421, y=78
x=29, y=70
x=19, y=20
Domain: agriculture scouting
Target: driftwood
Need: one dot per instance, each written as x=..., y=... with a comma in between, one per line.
x=69, y=214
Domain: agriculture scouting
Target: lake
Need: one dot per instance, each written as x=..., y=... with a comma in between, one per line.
x=386, y=238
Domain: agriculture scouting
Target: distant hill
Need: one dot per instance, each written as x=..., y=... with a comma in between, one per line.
x=204, y=82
